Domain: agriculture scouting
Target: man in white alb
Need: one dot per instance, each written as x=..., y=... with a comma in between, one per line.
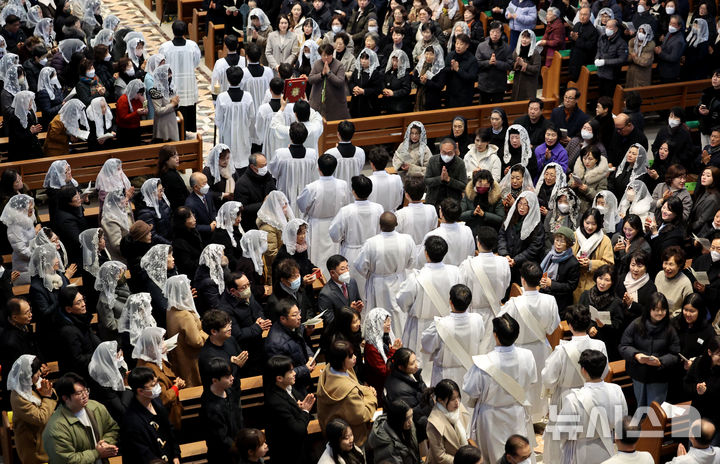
x=232, y=58
x=387, y=188
x=351, y=159
x=294, y=167
x=264, y=116
x=626, y=438
x=454, y=232
x=280, y=124
x=701, y=451
x=417, y=218
x=235, y=119
x=258, y=76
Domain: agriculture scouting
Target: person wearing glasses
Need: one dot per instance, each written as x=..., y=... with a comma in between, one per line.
x=626, y=135
x=80, y=429
x=568, y=116
x=74, y=334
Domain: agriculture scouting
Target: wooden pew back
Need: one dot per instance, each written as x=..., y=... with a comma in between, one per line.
x=664, y=96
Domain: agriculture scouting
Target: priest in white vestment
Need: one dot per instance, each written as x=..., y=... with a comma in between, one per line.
x=538, y=316
x=701, y=451
x=383, y=261
x=424, y=295
x=232, y=58
x=183, y=56
x=319, y=203
x=280, y=124
x=235, y=119
x=387, y=188
x=451, y=341
x=417, y=218
x=264, y=116
x=351, y=159
x=354, y=224
x=294, y=167
x=562, y=369
x=589, y=415
x=626, y=437
x=454, y=232
x=497, y=383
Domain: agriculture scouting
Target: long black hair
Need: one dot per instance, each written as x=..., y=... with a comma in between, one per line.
x=335, y=431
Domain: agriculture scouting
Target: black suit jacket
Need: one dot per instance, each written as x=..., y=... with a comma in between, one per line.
x=331, y=297
x=287, y=425
x=204, y=215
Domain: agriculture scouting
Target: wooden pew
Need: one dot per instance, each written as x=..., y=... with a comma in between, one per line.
x=391, y=128
x=19, y=290
x=137, y=161
x=588, y=86
x=664, y=96
x=197, y=25
x=657, y=430
x=551, y=77
x=185, y=9
x=7, y=440
x=213, y=44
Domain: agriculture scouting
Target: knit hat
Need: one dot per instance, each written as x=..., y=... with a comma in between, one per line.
x=139, y=229
x=564, y=231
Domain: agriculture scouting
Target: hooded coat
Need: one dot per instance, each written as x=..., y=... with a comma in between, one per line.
x=491, y=204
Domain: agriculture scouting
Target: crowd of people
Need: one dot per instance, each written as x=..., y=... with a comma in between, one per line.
x=433, y=281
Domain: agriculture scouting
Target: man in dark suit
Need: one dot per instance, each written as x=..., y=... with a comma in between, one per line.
x=288, y=413
x=202, y=205
x=341, y=291
x=290, y=285
x=252, y=188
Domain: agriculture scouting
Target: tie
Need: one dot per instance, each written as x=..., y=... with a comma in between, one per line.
x=205, y=203
x=344, y=289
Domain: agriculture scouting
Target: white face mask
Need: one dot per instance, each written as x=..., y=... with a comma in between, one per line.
x=21, y=81
x=54, y=81
x=119, y=361
x=586, y=135
x=156, y=390
x=262, y=171
x=107, y=57
x=630, y=195
x=715, y=255
x=43, y=61
x=673, y=123
x=90, y=74
x=602, y=209
x=345, y=277
x=307, y=55
x=640, y=9
x=670, y=10
x=672, y=29
x=447, y=158
x=641, y=36
x=336, y=29
x=130, y=72
x=372, y=28
x=38, y=384
x=563, y=207
x=609, y=32
x=204, y=189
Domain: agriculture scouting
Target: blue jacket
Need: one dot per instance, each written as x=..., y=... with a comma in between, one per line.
x=281, y=340
x=527, y=15
x=559, y=156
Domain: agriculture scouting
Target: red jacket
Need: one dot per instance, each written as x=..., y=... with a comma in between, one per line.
x=124, y=117
x=376, y=369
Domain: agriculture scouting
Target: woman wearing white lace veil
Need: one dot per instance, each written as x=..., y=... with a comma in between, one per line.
x=380, y=341
x=34, y=15
x=521, y=237
x=209, y=279
x=562, y=212
x=228, y=231
x=94, y=252
x=304, y=34
x=15, y=81
x=258, y=29
x=33, y=401
x=165, y=101
x=23, y=127
x=397, y=83
x=113, y=291
x=413, y=154
x=606, y=202
x=603, y=16
x=91, y=20
x=44, y=236
x=460, y=27
x=272, y=217
x=636, y=200
x=44, y=268
x=154, y=209
x=107, y=367
x=100, y=127
x=296, y=246
x=48, y=97
x=544, y=190
x=152, y=63
x=44, y=30
x=19, y=218
x=429, y=78
x=104, y=37
x=697, y=51
x=115, y=221
x=13, y=9
x=3, y=47
x=6, y=62
x=136, y=51
x=158, y=264
x=365, y=84
x=136, y=316
x=111, y=177
x=517, y=150
x=641, y=57
x=68, y=47
x=254, y=245
x=111, y=22
x=70, y=125
x=516, y=181
x=220, y=174
x=151, y=351
x=184, y=321
x=633, y=166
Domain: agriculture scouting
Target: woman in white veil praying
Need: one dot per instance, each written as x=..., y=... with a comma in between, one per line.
x=272, y=217
x=107, y=367
x=518, y=150
x=165, y=101
x=101, y=128
x=6, y=62
x=633, y=166
x=44, y=29
x=115, y=221
x=46, y=235
x=254, y=245
x=48, y=97
x=44, y=269
x=218, y=169
x=296, y=246
x=184, y=321
x=548, y=183
x=365, y=84
x=429, y=77
x=19, y=218
x=636, y=200
x=151, y=351
x=521, y=237
x=606, y=202
x=92, y=242
x=23, y=127
x=397, y=83
x=91, y=20
x=380, y=342
x=413, y=154
x=135, y=317
x=113, y=291
x=70, y=125
x=515, y=182
x=155, y=210
x=228, y=231
x=111, y=177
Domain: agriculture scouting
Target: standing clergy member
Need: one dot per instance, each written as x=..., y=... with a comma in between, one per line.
x=498, y=381
x=319, y=202
x=387, y=188
x=258, y=78
x=383, y=261
x=452, y=340
x=351, y=159
x=417, y=219
x=592, y=413
x=311, y=119
x=537, y=315
x=488, y=277
x=233, y=58
x=294, y=166
x=354, y=224
x=183, y=56
x=235, y=118
x=424, y=294
x=454, y=232
x=264, y=115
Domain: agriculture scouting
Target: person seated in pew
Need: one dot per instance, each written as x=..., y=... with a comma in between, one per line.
x=221, y=175
x=208, y=278
x=70, y=222
x=220, y=413
x=702, y=381
x=702, y=437
x=49, y=95
x=102, y=129
x=153, y=207
x=710, y=264
x=113, y=293
x=228, y=232
x=131, y=107
x=88, y=86
x=251, y=446
x=254, y=245
x=287, y=410
x=156, y=266
x=295, y=247
x=186, y=241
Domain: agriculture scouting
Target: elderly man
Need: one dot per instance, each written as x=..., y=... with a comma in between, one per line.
x=252, y=188
x=670, y=51
x=612, y=53
x=702, y=432
x=585, y=37
x=568, y=116
x=625, y=136
x=534, y=122
x=201, y=204
x=445, y=176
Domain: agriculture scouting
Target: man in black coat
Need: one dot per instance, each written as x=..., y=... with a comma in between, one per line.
x=290, y=285
x=534, y=122
x=16, y=336
x=625, y=136
x=74, y=333
x=341, y=291
x=288, y=412
x=584, y=39
x=358, y=22
x=202, y=205
x=252, y=188
x=12, y=33
x=220, y=412
x=321, y=14
x=568, y=116
x=462, y=71
x=494, y=59
x=247, y=318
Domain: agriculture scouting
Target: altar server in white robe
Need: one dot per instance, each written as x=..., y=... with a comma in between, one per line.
x=452, y=340
x=384, y=260
x=497, y=383
x=354, y=224
x=351, y=159
x=258, y=77
x=424, y=295
x=454, y=232
x=233, y=58
x=264, y=116
x=537, y=314
x=280, y=124
x=387, y=188
x=417, y=218
x=294, y=167
x=319, y=203
x=235, y=119
x=626, y=437
x=562, y=369
x=488, y=277
x=590, y=414
x=183, y=56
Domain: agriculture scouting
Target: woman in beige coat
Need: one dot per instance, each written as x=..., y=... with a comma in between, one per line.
x=272, y=217
x=447, y=424
x=165, y=102
x=592, y=249
x=339, y=394
x=31, y=408
x=184, y=321
x=640, y=58
x=282, y=45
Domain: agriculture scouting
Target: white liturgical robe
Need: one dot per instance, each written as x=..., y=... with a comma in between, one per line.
x=293, y=174
x=387, y=190
x=416, y=220
x=349, y=167
x=459, y=238
x=264, y=136
x=319, y=203
x=235, y=123
x=710, y=455
x=497, y=414
x=182, y=61
x=418, y=297
x=636, y=457
x=220, y=78
x=257, y=86
x=383, y=261
x=280, y=128
x=353, y=226
x=545, y=316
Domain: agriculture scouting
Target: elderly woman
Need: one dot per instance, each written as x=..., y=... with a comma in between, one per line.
x=429, y=78
x=111, y=177
x=113, y=291
x=672, y=282
x=70, y=125
x=640, y=58
x=115, y=221
x=154, y=209
x=561, y=270
x=696, y=52
x=517, y=150
x=272, y=217
x=183, y=320
x=131, y=107
x=33, y=401
x=521, y=237
x=258, y=29
x=396, y=89
x=554, y=36
x=221, y=177
x=526, y=65
x=561, y=212
x=295, y=246
x=165, y=102
x=19, y=217
x=228, y=231
x=674, y=186
x=413, y=155
x=101, y=126
x=107, y=368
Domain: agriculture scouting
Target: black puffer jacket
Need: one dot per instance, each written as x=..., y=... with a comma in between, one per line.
x=387, y=446
x=659, y=340
x=400, y=386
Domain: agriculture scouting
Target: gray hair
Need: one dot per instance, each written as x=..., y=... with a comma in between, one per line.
x=253, y=158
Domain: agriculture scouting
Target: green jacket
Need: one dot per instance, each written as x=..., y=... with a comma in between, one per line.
x=67, y=441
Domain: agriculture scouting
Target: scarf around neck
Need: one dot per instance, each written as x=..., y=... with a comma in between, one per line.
x=552, y=260
x=632, y=285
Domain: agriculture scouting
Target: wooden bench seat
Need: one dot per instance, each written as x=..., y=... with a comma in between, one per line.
x=185, y=9
x=664, y=96
x=661, y=434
